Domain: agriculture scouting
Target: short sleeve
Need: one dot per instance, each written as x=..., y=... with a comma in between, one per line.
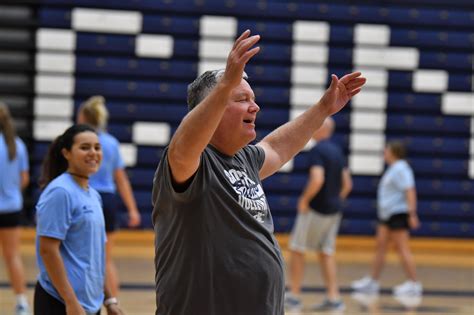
x=22, y=156
x=54, y=214
x=256, y=155
x=404, y=178
x=316, y=157
x=163, y=182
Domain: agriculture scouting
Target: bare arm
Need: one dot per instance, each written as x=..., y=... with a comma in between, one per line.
x=411, y=201
x=287, y=140
x=49, y=251
x=199, y=125
x=25, y=179
x=346, y=186
x=111, y=307
x=313, y=186
x=125, y=191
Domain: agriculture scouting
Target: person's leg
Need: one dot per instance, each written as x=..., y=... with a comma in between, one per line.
x=381, y=245
x=329, y=225
x=299, y=243
x=296, y=271
x=111, y=274
x=46, y=304
x=10, y=240
x=328, y=271
x=297, y=247
x=401, y=239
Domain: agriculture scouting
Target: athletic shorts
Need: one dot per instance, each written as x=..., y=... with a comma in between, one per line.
x=10, y=219
x=109, y=206
x=315, y=231
x=46, y=304
x=397, y=221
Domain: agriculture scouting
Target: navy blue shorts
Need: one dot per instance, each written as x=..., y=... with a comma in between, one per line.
x=109, y=206
x=10, y=219
x=397, y=221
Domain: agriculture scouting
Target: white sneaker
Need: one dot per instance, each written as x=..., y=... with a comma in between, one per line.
x=365, y=299
x=292, y=303
x=366, y=284
x=408, y=288
x=22, y=310
x=409, y=301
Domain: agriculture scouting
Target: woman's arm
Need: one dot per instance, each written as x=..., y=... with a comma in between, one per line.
x=49, y=251
x=25, y=179
x=412, y=215
x=111, y=302
x=126, y=193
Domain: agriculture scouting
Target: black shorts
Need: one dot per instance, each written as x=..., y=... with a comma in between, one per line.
x=109, y=206
x=397, y=221
x=10, y=219
x=46, y=304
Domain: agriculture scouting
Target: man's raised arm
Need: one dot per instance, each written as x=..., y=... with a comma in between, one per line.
x=287, y=140
x=198, y=126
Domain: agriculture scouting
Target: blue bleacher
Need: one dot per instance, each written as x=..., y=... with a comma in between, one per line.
x=105, y=43
x=460, y=82
x=154, y=89
x=445, y=60
x=400, y=79
x=132, y=89
x=439, y=146
x=268, y=30
x=340, y=55
x=162, y=24
x=413, y=124
x=423, y=101
x=136, y=67
x=55, y=18
x=394, y=15
x=431, y=39
x=268, y=73
x=341, y=34
x=442, y=167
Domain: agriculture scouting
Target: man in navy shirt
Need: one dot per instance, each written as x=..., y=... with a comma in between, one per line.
x=319, y=215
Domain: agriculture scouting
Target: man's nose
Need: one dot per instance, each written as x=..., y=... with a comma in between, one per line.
x=254, y=107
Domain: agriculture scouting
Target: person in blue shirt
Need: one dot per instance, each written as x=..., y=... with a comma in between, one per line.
x=110, y=177
x=14, y=177
x=396, y=203
x=70, y=233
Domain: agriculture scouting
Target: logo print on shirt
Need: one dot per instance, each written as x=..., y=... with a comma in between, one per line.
x=251, y=195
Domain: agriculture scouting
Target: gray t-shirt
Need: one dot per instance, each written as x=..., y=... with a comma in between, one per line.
x=215, y=252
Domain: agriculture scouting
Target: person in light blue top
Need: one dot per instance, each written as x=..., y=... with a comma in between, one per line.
x=111, y=175
x=14, y=177
x=391, y=195
x=70, y=235
x=396, y=203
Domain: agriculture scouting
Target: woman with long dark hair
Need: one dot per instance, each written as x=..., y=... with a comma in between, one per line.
x=14, y=178
x=71, y=230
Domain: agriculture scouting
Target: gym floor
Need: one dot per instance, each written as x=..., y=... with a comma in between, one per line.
x=447, y=273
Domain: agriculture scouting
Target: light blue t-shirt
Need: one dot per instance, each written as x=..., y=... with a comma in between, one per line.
x=67, y=212
x=11, y=198
x=391, y=195
x=103, y=180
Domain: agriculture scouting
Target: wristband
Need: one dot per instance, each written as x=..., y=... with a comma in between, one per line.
x=110, y=301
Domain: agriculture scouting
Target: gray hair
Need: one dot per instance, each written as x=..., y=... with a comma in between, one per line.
x=203, y=85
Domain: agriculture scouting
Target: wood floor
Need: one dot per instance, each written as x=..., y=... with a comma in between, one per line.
x=446, y=268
